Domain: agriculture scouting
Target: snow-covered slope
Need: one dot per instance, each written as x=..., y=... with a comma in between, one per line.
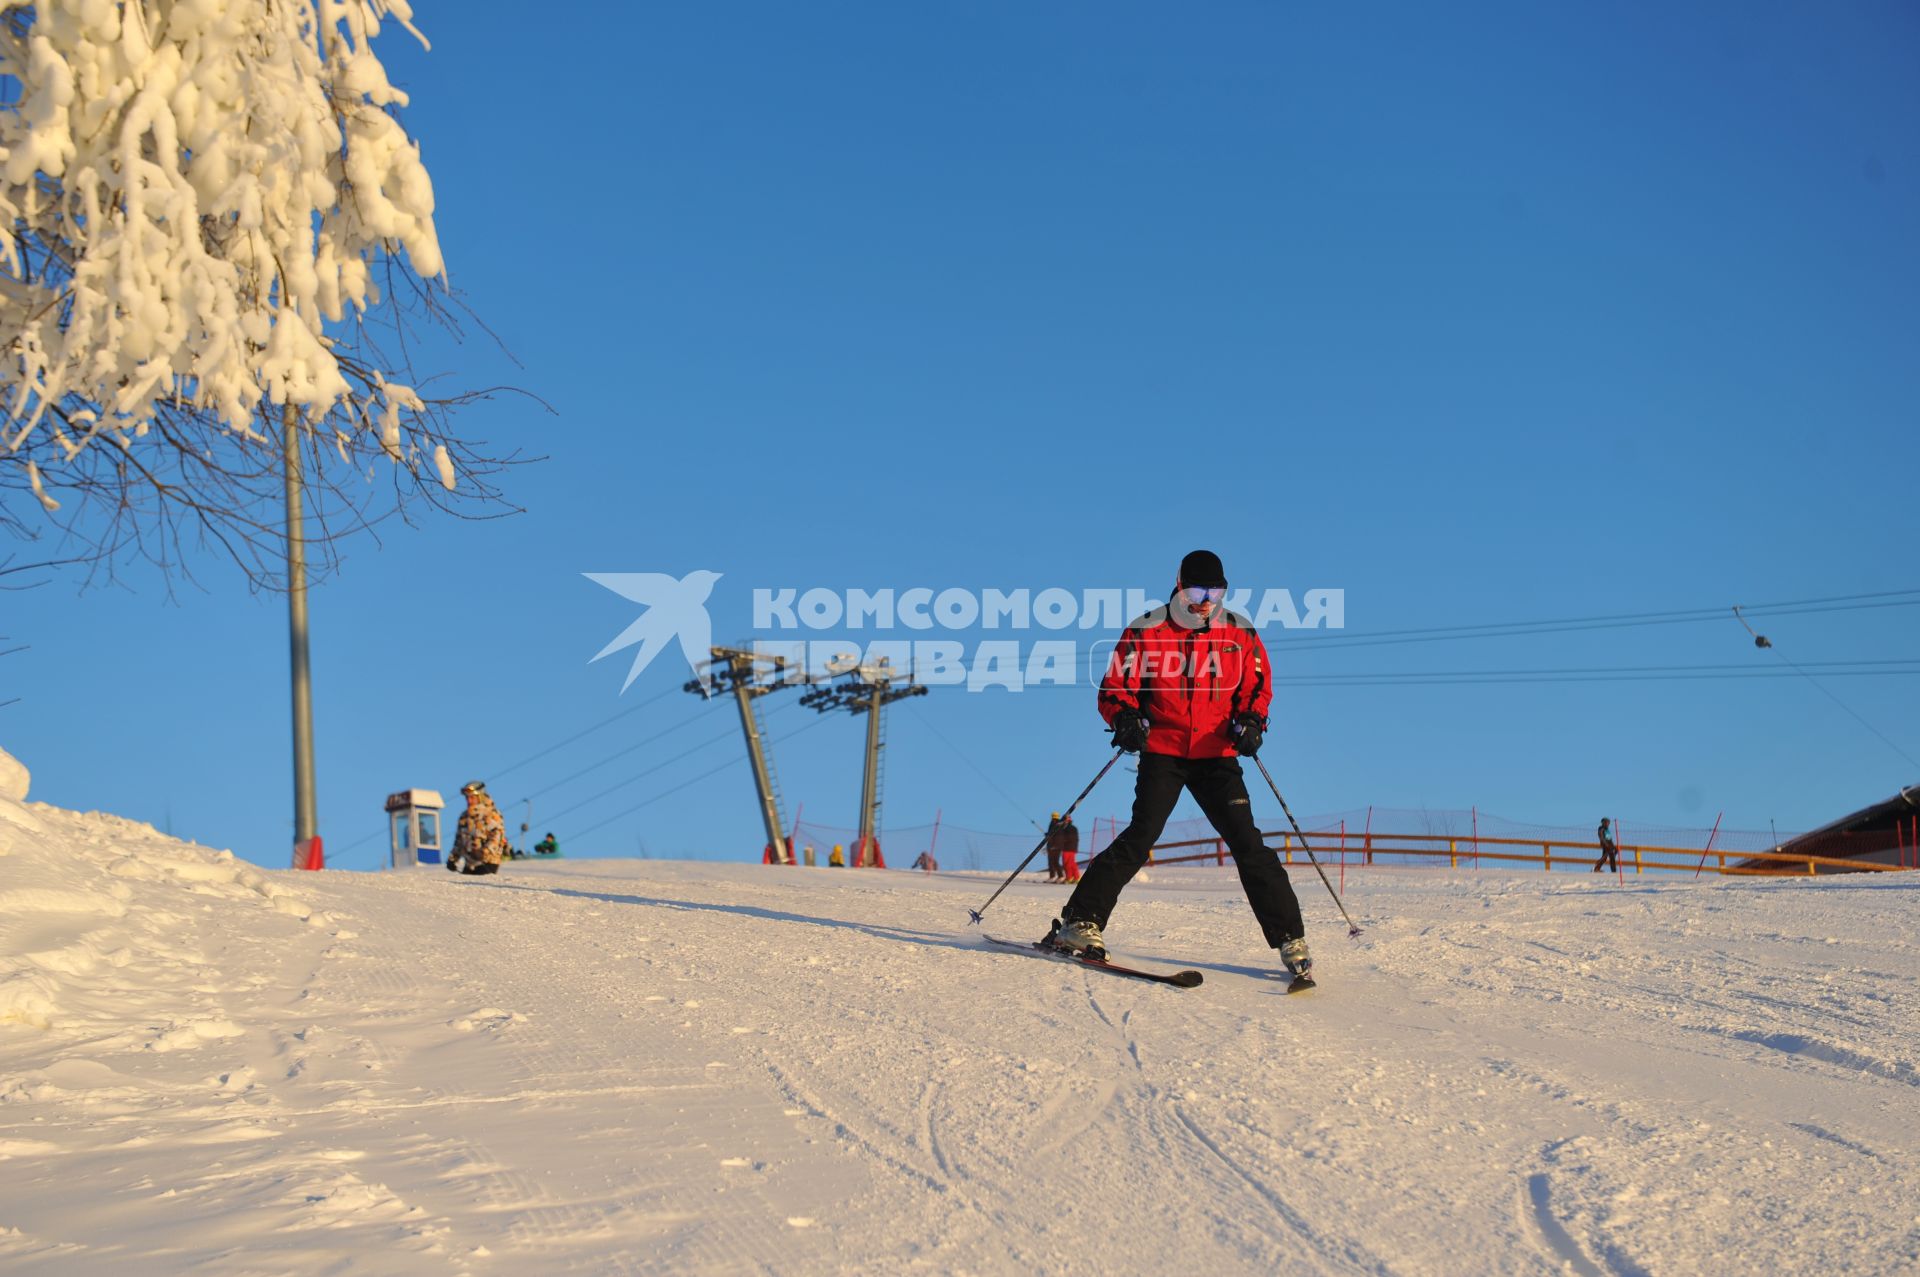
x=668, y=1067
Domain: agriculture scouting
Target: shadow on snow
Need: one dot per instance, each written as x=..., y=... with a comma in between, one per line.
x=900, y=935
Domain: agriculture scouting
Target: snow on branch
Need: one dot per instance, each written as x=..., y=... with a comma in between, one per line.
x=203, y=200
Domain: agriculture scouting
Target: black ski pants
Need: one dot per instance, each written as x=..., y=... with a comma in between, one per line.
x=1217, y=786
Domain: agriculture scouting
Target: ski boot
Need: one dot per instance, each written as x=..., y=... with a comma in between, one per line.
x=1079, y=937
x=1299, y=963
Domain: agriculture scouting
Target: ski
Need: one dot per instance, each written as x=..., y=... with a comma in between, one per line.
x=1178, y=979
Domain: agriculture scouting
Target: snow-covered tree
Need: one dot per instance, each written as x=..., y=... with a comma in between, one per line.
x=213, y=215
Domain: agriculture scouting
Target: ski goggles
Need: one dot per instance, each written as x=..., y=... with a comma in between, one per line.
x=1203, y=593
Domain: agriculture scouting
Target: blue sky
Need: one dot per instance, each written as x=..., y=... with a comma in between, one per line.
x=1479, y=313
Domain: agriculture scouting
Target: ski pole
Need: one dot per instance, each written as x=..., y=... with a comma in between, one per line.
x=978, y=915
x=1352, y=929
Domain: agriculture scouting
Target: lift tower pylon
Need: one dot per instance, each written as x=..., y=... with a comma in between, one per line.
x=742, y=671
x=868, y=690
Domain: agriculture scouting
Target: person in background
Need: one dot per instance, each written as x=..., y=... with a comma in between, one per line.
x=548, y=846
x=480, y=843
x=1063, y=846
x=837, y=858
x=926, y=863
x=1609, y=854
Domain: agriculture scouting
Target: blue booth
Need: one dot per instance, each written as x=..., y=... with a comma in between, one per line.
x=413, y=817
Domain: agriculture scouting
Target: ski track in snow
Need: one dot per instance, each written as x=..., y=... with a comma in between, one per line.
x=660, y=1067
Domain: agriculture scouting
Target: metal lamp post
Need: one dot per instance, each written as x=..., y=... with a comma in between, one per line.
x=306, y=820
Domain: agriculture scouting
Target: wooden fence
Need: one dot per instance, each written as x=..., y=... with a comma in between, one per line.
x=1572, y=855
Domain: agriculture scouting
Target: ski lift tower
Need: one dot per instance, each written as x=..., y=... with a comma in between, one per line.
x=750, y=675
x=868, y=689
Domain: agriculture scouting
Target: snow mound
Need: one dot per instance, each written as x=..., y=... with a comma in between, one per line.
x=14, y=778
x=101, y=917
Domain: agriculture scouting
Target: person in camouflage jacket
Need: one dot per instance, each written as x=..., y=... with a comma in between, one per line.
x=480, y=843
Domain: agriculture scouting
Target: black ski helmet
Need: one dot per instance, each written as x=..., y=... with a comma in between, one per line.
x=1202, y=567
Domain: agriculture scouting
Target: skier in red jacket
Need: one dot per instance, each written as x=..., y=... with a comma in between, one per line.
x=1188, y=689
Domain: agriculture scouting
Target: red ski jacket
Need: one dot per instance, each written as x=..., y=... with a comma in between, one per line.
x=1188, y=682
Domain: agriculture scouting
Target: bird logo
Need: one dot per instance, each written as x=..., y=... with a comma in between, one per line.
x=676, y=608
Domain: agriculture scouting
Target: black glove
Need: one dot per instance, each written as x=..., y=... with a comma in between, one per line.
x=1130, y=730
x=1248, y=730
